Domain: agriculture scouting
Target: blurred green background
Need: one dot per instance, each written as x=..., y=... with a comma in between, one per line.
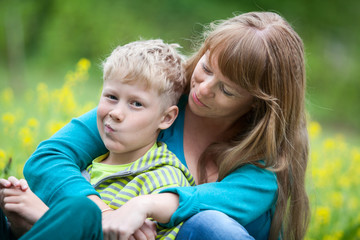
x=40, y=40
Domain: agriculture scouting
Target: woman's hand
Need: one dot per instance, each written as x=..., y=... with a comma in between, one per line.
x=128, y=222
x=146, y=232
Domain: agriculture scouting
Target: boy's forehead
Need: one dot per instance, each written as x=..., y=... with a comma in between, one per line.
x=139, y=82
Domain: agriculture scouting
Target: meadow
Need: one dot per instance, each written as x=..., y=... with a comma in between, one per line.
x=334, y=163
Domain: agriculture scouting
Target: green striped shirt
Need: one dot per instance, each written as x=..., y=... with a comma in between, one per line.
x=158, y=169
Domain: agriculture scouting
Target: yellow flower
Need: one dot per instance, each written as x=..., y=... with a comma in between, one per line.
x=42, y=96
x=7, y=96
x=314, y=155
x=329, y=144
x=314, y=129
x=85, y=108
x=8, y=118
x=26, y=137
x=355, y=155
x=53, y=127
x=81, y=74
x=19, y=170
x=42, y=87
x=335, y=236
x=322, y=215
x=83, y=65
x=337, y=199
x=353, y=203
x=2, y=159
x=32, y=123
x=66, y=100
x=344, y=181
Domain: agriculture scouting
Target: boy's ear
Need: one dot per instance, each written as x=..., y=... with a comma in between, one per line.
x=169, y=117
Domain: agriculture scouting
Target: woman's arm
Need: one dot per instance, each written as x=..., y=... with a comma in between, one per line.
x=126, y=220
x=244, y=195
x=53, y=170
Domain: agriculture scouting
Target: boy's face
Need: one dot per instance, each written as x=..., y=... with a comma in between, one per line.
x=128, y=117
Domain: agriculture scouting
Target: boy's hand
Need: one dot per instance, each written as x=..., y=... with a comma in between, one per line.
x=24, y=203
x=19, y=224
x=14, y=182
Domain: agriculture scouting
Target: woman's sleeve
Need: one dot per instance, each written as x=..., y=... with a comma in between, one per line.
x=53, y=170
x=244, y=195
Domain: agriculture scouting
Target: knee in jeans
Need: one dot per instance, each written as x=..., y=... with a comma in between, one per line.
x=206, y=219
x=212, y=224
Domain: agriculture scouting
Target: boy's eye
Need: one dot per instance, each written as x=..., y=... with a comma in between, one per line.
x=136, y=104
x=112, y=97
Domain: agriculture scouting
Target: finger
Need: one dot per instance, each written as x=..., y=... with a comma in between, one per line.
x=23, y=185
x=12, y=207
x=12, y=199
x=149, y=229
x=132, y=238
x=4, y=183
x=14, y=181
x=109, y=235
x=12, y=192
x=114, y=236
x=139, y=235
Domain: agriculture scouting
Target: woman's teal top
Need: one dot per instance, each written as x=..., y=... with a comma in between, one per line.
x=248, y=194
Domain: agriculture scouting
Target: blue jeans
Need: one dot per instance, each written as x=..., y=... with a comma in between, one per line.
x=212, y=225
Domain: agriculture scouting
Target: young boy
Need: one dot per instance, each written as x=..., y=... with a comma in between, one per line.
x=143, y=81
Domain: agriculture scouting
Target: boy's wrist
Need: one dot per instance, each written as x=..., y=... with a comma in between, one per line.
x=158, y=206
x=103, y=206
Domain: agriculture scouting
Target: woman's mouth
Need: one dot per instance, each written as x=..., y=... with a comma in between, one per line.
x=197, y=101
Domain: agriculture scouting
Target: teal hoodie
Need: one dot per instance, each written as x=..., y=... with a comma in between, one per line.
x=248, y=194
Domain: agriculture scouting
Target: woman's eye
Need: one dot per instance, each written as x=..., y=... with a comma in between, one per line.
x=206, y=69
x=225, y=91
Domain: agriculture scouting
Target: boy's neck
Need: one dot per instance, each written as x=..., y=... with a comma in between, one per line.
x=127, y=157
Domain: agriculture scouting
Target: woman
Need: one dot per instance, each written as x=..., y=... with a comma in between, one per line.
x=241, y=132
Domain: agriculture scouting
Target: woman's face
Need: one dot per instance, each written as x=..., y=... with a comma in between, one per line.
x=213, y=95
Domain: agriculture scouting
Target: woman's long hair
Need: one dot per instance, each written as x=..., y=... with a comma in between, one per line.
x=263, y=54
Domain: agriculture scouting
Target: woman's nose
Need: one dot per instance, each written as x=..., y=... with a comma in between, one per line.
x=206, y=88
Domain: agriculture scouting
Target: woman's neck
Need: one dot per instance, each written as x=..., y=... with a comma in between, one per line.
x=212, y=129
x=199, y=133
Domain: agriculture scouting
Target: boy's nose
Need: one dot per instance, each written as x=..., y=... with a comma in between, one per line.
x=117, y=115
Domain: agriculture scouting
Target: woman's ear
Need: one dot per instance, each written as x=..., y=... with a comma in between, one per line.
x=169, y=117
